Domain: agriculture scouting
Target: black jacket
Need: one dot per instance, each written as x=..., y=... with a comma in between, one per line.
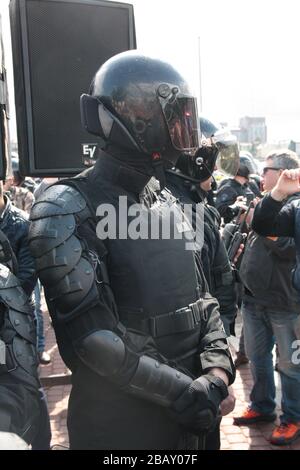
x=140, y=282
x=15, y=225
x=213, y=255
x=266, y=269
x=227, y=194
x=280, y=219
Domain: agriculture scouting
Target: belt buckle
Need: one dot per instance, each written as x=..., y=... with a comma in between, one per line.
x=181, y=310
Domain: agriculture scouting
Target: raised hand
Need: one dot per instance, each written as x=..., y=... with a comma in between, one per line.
x=288, y=183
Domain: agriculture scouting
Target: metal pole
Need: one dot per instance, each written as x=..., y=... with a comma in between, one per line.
x=200, y=76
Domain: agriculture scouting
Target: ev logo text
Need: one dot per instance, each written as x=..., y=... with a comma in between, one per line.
x=89, y=150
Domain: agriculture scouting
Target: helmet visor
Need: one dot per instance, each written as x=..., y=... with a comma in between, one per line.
x=180, y=113
x=228, y=156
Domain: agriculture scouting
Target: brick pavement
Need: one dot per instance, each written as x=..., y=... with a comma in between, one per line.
x=254, y=437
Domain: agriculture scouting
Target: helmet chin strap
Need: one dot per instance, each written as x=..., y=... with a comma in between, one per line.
x=200, y=161
x=159, y=171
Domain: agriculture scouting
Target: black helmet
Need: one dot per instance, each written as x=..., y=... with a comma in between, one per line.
x=219, y=147
x=247, y=165
x=142, y=104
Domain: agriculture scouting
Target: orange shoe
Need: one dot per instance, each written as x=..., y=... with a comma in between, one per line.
x=285, y=434
x=250, y=416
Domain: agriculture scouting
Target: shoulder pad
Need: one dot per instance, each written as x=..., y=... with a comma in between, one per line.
x=71, y=290
x=58, y=262
x=58, y=200
x=23, y=324
x=11, y=292
x=25, y=355
x=7, y=278
x=48, y=233
x=15, y=298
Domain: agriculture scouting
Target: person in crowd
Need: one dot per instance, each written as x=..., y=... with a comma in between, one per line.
x=275, y=216
x=23, y=199
x=255, y=180
x=235, y=194
x=270, y=312
x=15, y=225
x=44, y=184
x=233, y=197
x=20, y=196
x=189, y=182
x=147, y=349
x=43, y=355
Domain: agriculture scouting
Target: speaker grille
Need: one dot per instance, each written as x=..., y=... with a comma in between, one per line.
x=63, y=44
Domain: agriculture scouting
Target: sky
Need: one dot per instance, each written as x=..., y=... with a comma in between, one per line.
x=248, y=51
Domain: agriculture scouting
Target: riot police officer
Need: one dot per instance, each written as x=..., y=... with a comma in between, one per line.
x=146, y=347
x=23, y=410
x=191, y=180
x=233, y=189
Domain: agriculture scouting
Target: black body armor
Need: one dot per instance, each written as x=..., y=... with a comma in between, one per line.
x=145, y=291
x=19, y=384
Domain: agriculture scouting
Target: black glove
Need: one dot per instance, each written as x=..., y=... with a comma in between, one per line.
x=234, y=210
x=197, y=408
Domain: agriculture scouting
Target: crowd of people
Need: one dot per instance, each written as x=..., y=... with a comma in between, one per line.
x=142, y=321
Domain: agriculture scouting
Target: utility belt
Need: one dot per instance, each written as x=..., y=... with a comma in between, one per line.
x=179, y=321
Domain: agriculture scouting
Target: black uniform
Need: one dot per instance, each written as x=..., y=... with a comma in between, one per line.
x=146, y=291
x=214, y=259
x=123, y=291
x=23, y=409
x=227, y=194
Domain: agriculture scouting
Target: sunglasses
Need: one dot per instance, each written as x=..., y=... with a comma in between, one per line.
x=267, y=168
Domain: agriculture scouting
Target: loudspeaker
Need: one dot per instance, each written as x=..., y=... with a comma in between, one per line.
x=58, y=45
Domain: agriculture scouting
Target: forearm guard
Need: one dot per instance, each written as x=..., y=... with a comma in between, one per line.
x=105, y=353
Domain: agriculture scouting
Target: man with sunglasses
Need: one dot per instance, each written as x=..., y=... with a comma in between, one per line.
x=270, y=312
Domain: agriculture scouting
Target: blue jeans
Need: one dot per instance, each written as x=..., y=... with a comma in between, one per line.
x=262, y=328
x=39, y=318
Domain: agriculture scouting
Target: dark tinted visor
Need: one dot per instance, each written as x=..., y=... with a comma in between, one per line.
x=181, y=117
